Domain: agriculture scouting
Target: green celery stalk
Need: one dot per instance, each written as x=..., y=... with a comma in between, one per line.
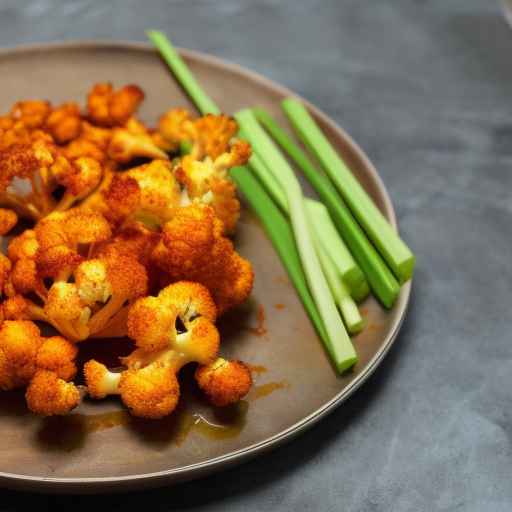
x=334, y=246
x=347, y=306
x=201, y=100
x=267, y=178
x=327, y=241
x=381, y=280
x=396, y=253
x=340, y=344
x=329, y=237
x=278, y=230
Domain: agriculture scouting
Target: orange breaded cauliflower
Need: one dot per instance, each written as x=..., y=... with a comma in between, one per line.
x=193, y=248
x=24, y=170
x=22, y=251
x=224, y=382
x=106, y=107
x=170, y=331
x=209, y=135
x=133, y=141
x=31, y=113
x=93, y=142
x=135, y=240
x=64, y=123
x=208, y=181
x=49, y=395
x=8, y=219
x=106, y=234
x=43, y=364
x=61, y=236
x=31, y=173
x=174, y=127
x=102, y=288
x=80, y=178
x=148, y=193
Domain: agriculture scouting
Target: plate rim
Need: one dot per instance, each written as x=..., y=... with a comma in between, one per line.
x=203, y=468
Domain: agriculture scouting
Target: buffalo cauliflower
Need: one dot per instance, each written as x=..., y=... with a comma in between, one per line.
x=170, y=330
x=224, y=382
x=45, y=365
x=106, y=107
x=193, y=248
x=208, y=181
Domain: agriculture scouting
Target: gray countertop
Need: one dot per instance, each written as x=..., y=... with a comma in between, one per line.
x=424, y=87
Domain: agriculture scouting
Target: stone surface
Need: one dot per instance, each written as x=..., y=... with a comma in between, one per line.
x=424, y=87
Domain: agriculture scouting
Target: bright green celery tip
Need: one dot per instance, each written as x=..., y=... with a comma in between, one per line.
x=181, y=71
x=398, y=256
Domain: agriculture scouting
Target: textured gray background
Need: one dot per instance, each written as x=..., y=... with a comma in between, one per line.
x=424, y=87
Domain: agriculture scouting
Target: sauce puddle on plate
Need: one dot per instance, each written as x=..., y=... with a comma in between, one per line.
x=266, y=389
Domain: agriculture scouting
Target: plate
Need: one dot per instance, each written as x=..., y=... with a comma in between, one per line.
x=99, y=448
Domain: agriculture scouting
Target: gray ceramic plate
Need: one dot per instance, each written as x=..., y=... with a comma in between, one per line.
x=99, y=448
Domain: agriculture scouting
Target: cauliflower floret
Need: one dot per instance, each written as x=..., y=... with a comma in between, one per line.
x=152, y=322
x=23, y=246
x=152, y=392
x=148, y=386
x=22, y=251
x=93, y=142
x=31, y=113
x=91, y=278
x=133, y=141
x=57, y=355
x=66, y=311
x=107, y=107
x=209, y=135
x=18, y=307
x=42, y=364
x=208, y=181
x=8, y=219
x=64, y=123
x=100, y=381
x=135, y=240
x=61, y=234
x=176, y=126
x=148, y=194
x=215, y=133
x=79, y=177
x=48, y=395
x=103, y=288
x=42, y=170
x=193, y=248
x=28, y=163
x=224, y=382
x=19, y=344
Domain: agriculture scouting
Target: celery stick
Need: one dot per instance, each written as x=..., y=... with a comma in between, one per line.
x=267, y=178
x=381, y=280
x=347, y=306
x=329, y=237
x=280, y=233
x=340, y=344
x=202, y=101
x=334, y=246
x=330, y=244
x=396, y=253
